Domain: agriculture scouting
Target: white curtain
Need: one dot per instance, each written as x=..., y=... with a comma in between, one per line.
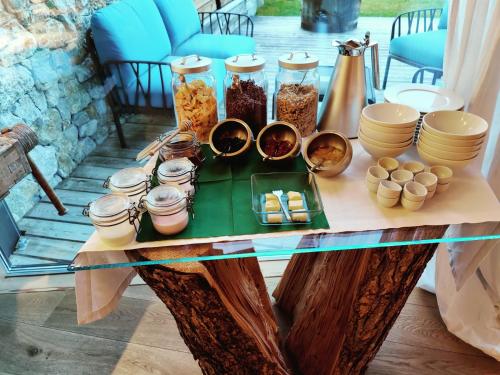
x=468, y=274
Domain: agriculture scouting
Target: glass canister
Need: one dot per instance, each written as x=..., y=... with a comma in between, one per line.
x=169, y=208
x=195, y=94
x=184, y=144
x=297, y=91
x=178, y=172
x=134, y=182
x=245, y=90
x=113, y=216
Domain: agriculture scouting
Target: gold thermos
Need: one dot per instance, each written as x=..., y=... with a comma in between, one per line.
x=346, y=95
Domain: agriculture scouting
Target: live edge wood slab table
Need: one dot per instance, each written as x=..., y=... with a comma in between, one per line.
x=336, y=307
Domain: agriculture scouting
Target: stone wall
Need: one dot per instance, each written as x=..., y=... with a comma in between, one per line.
x=48, y=82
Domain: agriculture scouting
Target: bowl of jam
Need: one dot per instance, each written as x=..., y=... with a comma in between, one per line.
x=279, y=141
x=230, y=138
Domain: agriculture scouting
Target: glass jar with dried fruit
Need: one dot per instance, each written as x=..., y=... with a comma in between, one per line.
x=245, y=90
x=195, y=94
x=297, y=91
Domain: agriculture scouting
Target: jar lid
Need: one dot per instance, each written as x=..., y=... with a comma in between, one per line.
x=109, y=206
x=128, y=177
x=164, y=196
x=245, y=63
x=175, y=167
x=298, y=60
x=191, y=64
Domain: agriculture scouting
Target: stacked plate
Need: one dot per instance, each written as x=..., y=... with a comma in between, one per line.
x=425, y=99
x=451, y=138
x=387, y=129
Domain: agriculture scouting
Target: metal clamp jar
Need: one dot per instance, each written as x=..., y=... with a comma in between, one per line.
x=195, y=94
x=113, y=217
x=245, y=90
x=183, y=145
x=134, y=182
x=297, y=91
x=169, y=209
x=178, y=172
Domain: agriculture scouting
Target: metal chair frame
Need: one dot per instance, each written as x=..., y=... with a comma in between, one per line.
x=413, y=22
x=419, y=74
x=111, y=72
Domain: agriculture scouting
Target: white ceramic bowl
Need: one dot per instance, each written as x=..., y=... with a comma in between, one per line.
x=389, y=164
x=414, y=191
x=410, y=129
x=383, y=144
x=385, y=137
x=434, y=160
x=455, y=124
x=376, y=174
x=450, y=142
x=387, y=202
x=389, y=189
x=446, y=147
x=378, y=152
x=429, y=180
x=441, y=188
x=446, y=154
x=444, y=174
x=401, y=177
x=391, y=114
x=413, y=166
x=372, y=186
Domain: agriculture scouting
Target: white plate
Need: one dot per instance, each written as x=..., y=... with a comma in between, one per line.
x=424, y=98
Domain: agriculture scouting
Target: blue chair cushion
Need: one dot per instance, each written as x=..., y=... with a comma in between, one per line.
x=130, y=30
x=180, y=18
x=443, y=20
x=218, y=69
x=216, y=46
x=424, y=49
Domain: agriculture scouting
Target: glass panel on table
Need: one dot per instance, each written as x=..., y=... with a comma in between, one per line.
x=270, y=247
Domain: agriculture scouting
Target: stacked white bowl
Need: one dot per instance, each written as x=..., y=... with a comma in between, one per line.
x=451, y=138
x=387, y=129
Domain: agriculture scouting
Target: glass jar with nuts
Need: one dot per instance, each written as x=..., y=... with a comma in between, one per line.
x=297, y=91
x=195, y=94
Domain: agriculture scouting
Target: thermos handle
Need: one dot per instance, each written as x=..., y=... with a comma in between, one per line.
x=375, y=65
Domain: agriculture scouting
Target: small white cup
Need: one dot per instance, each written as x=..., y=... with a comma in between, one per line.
x=372, y=186
x=389, y=189
x=387, y=202
x=441, y=188
x=429, y=180
x=389, y=164
x=413, y=166
x=376, y=174
x=444, y=174
x=414, y=191
x=401, y=177
x=411, y=205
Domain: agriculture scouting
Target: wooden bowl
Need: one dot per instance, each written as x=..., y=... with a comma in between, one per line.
x=279, y=131
x=230, y=128
x=317, y=151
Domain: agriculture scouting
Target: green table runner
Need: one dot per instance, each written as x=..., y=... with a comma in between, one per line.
x=223, y=201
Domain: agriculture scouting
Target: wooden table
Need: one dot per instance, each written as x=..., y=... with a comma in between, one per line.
x=335, y=307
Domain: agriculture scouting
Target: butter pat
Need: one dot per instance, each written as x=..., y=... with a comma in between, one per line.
x=295, y=205
x=274, y=218
x=299, y=217
x=272, y=205
x=294, y=196
x=271, y=197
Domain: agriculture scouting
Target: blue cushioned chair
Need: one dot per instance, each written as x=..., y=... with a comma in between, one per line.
x=419, y=44
x=134, y=41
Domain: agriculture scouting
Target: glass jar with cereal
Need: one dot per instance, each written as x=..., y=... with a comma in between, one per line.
x=297, y=91
x=195, y=94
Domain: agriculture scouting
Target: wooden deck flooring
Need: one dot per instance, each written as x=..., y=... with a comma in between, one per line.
x=40, y=336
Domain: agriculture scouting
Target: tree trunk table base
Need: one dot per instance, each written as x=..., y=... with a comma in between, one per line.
x=341, y=306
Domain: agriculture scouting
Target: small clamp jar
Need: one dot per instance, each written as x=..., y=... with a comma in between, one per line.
x=184, y=144
x=178, y=172
x=134, y=182
x=114, y=218
x=169, y=208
